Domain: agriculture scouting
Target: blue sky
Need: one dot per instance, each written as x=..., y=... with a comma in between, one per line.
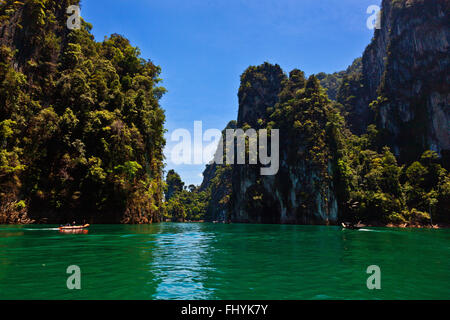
x=203, y=46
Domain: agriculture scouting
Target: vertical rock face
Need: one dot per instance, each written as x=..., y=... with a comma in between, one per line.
x=333, y=82
x=407, y=68
x=217, y=180
x=297, y=195
x=259, y=90
x=260, y=87
x=25, y=28
x=401, y=84
x=301, y=191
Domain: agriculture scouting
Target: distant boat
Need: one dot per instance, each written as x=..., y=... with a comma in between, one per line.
x=74, y=229
x=351, y=226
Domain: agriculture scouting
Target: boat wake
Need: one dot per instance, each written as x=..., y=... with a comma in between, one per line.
x=41, y=229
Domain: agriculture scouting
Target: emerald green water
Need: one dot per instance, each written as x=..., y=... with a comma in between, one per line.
x=216, y=261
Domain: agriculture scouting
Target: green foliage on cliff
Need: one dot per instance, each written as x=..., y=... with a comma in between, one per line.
x=182, y=204
x=373, y=187
x=174, y=184
x=333, y=82
x=318, y=149
x=217, y=184
x=302, y=114
x=81, y=128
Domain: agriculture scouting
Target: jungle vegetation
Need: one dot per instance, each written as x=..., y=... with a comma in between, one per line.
x=81, y=128
x=184, y=203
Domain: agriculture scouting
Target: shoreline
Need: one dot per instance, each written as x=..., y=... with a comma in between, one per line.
x=417, y=226
x=370, y=225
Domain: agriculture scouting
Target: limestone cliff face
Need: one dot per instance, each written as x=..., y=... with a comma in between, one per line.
x=259, y=90
x=251, y=200
x=301, y=191
x=416, y=79
x=401, y=84
x=26, y=27
x=407, y=67
x=217, y=180
x=296, y=195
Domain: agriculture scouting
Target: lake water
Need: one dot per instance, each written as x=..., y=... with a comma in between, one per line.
x=217, y=261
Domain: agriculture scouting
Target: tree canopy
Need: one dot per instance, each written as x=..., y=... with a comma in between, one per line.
x=81, y=127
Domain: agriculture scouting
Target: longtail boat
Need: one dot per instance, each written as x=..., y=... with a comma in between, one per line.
x=73, y=228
